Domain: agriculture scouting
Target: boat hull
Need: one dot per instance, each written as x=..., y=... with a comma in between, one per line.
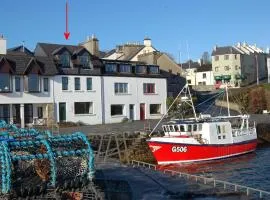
x=169, y=153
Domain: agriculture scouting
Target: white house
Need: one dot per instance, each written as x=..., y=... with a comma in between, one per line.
x=64, y=83
x=204, y=75
x=133, y=91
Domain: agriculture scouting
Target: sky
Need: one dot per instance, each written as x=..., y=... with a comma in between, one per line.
x=187, y=26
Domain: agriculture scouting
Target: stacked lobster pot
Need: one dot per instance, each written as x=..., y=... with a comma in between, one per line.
x=32, y=161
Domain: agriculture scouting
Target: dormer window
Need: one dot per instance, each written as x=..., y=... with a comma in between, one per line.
x=140, y=69
x=84, y=61
x=65, y=59
x=125, y=68
x=153, y=69
x=110, y=67
x=5, y=82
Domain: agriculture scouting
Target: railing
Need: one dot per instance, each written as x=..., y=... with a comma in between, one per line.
x=205, y=180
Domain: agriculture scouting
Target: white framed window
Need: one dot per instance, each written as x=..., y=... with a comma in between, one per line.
x=204, y=75
x=226, y=57
x=117, y=109
x=155, y=109
x=121, y=88
x=83, y=108
x=89, y=84
x=149, y=88
x=110, y=67
x=77, y=83
x=64, y=83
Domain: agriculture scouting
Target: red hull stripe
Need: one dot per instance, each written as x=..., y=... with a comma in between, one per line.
x=166, y=153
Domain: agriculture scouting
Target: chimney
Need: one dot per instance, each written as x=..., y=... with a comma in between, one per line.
x=147, y=42
x=92, y=45
x=3, y=45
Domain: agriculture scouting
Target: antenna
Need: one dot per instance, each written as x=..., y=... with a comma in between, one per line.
x=23, y=45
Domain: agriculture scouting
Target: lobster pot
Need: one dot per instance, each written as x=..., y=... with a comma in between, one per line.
x=71, y=167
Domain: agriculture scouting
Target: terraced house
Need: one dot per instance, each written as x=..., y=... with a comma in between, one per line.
x=238, y=65
x=60, y=83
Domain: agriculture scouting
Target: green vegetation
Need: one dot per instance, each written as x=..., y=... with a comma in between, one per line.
x=253, y=99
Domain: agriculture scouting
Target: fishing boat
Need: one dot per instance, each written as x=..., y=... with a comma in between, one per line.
x=203, y=137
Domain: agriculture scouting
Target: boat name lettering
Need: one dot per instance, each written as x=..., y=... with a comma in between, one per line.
x=179, y=149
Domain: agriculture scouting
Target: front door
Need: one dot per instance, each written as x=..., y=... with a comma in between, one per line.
x=131, y=111
x=16, y=114
x=142, y=111
x=28, y=113
x=62, y=112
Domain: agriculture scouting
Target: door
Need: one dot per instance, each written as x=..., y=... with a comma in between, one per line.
x=28, y=113
x=142, y=111
x=131, y=111
x=62, y=112
x=16, y=113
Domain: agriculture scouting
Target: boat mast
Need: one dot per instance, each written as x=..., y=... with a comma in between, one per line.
x=228, y=103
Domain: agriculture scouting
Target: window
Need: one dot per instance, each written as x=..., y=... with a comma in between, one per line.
x=204, y=75
x=226, y=57
x=40, y=112
x=140, y=69
x=182, y=128
x=110, y=67
x=89, y=83
x=189, y=81
x=148, y=88
x=33, y=83
x=153, y=70
x=84, y=61
x=171, y=128
x=219, y=129
x=65, y=59
x=176, y=128
x=155, y=109
x=216, y=69
x=236, y=67
x=5, y=82
x=194, y=127
x=235, y=56
x=17, y=84
x=77, y=83
x=83, y=108
x=189, y=128
x=125, y=68
x=216, y=58
x=224, y=137
x=120, y=88
x=46, y=84
x=226, y=68
x=64, y=83
x=117, y=110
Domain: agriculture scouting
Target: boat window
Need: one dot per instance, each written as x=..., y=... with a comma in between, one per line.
x=200, y=127
x=176, y=128
x=218, y=129
x=182, y=128
x=194, y=127
x=164, y=128
x=171, y=128
x=168, y=128
x=224, y=136
x=219, y=137
x=189, y=128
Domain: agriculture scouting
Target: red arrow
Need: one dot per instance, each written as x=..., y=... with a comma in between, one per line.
x=67, y=34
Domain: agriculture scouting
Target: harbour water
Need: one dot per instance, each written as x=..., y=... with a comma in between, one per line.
x=250, y=170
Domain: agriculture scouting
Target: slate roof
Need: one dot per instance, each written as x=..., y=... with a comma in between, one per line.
x=21, y=49
x=189, y=64
x=49, y=49
x=20, y=63
x=205, y=68
x=128, y=51
x=224, y=50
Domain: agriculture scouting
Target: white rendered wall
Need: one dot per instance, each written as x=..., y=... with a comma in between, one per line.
x=70, y=96
x=28, y=97
x=135, y=96
x=209, y=80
